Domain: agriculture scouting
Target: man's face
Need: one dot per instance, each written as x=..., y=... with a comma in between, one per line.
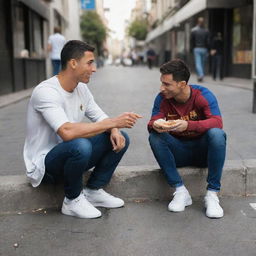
x=85, y=67
x=170, y=88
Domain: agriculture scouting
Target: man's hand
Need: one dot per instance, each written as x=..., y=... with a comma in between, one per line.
x=126, y=120
x=180, y=126
x=117, y=140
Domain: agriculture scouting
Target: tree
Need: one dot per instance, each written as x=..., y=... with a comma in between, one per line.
x=138, y=29
x=93, y=30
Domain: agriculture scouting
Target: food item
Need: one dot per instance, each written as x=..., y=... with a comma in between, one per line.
x=163, y=124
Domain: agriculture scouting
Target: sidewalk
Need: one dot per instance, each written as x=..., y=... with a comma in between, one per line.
x=138, y=229
x=137, y=181
x=246, y=84
x=11, y=98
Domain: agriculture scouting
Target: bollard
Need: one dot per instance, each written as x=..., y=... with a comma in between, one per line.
x=254, y=97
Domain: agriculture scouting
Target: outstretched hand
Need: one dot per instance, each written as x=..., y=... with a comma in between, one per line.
x=126, y=120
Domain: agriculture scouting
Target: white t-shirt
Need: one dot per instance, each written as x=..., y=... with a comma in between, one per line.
x=50, y=106
x=57, y=42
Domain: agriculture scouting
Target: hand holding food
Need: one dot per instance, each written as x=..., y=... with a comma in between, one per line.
x=163, y=124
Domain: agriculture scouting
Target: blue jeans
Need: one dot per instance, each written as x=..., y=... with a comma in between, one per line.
x=70, y=159
x=208, y=150
x=200, y=55
x=217, y=66
x=56, y=64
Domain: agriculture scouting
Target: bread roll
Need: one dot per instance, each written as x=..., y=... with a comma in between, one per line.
x=163, y=124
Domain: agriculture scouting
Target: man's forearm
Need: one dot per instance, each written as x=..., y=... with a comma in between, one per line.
x=70, y=131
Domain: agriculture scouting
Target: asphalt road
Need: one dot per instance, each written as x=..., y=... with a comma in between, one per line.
x=138, y=229
x=120, y=89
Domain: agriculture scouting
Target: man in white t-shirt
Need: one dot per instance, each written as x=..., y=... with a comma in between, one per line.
x=59, y=145
x=55, y=45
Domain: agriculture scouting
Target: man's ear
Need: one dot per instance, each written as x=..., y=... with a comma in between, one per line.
x=73, y=63
x=183, y=83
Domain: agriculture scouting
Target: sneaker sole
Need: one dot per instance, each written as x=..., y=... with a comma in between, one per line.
x=188, y=203
x=70, y=213
x=213, y=217
x=106, y=206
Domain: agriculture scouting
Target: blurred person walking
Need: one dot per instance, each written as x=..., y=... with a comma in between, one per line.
x=55, y=45
x=151, y=56
x=199, y=43
x=217, y=56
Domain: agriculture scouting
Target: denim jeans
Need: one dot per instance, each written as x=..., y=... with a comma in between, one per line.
x=56, y=64
x=217, y=66
x=70, y=159
x=200, y=55
x=208, y=150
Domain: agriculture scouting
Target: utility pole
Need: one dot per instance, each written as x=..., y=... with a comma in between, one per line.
x=254, y=58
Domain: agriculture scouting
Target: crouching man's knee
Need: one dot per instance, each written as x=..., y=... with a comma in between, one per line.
x=217, y=136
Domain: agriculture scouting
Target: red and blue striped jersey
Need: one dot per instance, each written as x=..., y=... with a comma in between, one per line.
x=201, y=111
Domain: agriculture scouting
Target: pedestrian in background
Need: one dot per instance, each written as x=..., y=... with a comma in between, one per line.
x=151, y=56
x=199, y=43
x=55, y=45
x=192, y=137
x=217, y=56
x=60, y=145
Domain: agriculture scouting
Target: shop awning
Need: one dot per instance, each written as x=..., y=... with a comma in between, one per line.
x=189, y=10
x=38, y=6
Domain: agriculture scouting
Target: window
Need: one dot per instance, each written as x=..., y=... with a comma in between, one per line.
x=37, y=36
x=19, y=31
x=242, y=35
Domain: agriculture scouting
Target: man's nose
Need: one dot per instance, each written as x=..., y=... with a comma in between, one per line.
x=94, y=68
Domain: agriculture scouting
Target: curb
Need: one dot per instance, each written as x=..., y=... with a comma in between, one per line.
x=130, y=183
x=11, y=98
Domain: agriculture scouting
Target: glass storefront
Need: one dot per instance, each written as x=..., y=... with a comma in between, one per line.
x=27, y=33
x=19, y=31
x=242, y=35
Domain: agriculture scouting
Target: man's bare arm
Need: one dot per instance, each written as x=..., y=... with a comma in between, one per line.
x=69, y=131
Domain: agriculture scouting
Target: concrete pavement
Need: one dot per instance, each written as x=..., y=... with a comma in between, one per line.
x=142, y=227
x=138, y=229
x=134, y=89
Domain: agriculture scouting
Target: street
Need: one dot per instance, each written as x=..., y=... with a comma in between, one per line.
x=120, y=89
x=141, y=227
x=138, y=229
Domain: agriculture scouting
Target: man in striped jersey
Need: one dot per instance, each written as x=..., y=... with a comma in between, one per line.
x=195, y=138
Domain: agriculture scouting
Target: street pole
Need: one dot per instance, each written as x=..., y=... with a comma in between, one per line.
x=254, y=58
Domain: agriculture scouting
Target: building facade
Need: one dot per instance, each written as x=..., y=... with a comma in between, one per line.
x=25, y=26
x=172, y=21
x=23, y=30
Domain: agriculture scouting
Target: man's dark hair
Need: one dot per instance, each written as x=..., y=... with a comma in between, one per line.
x=57, y=30
x=74, y=49
x=177, y=68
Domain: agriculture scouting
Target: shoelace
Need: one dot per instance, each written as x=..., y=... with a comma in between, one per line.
x=177, y=195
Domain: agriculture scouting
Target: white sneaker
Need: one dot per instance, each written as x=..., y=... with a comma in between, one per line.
x=213, y=208
x=79, y=207
x=180, y=200
x=99, y=197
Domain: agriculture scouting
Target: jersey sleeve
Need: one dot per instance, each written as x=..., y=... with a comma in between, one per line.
x=156, y=112
x=48, y=102
x=208, y=104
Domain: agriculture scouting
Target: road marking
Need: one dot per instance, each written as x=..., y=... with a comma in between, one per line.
x=253, y=205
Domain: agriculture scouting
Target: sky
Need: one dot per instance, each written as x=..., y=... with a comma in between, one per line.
x=120, y=11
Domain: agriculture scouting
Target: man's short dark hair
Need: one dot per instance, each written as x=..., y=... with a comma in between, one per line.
x=74, y=49
x=177, y=68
